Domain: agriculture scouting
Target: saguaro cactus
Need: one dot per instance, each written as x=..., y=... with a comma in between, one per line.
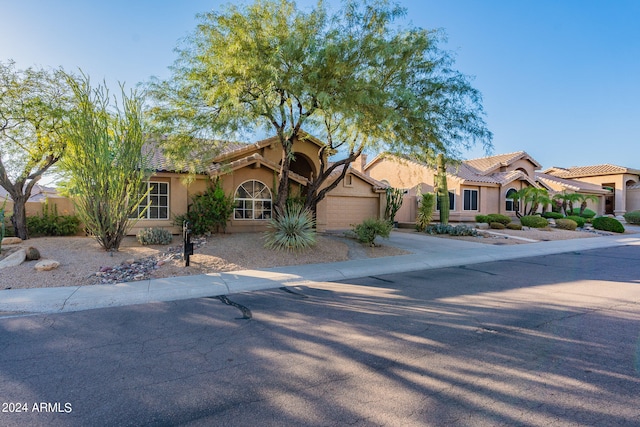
x=442, y=190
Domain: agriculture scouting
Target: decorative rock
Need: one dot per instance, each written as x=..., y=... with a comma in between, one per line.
x=33, y=254
x=11, y=241
x=47, y=264
x=482, y=226
x=14, y=259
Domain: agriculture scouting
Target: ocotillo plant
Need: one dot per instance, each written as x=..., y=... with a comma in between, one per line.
x=442, y=190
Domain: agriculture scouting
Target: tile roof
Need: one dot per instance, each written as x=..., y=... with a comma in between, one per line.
x=582, y=171
x=159, y=162
x=571, y=184
x=489, y=164
x=38, y=194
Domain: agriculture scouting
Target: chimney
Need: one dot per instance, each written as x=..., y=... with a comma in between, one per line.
x=363, y=162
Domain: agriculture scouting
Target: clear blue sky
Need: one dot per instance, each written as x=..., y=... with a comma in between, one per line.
x=560, y=78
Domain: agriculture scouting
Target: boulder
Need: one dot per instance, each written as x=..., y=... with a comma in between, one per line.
x=11, y=241
x=14, y=259
x=46, y=265
x=482, y=226
x=33, y=254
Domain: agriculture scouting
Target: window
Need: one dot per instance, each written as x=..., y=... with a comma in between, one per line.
x=253, y=201
x=452, y=201
x=470, y=200
x=157, y=200
x=511, y=205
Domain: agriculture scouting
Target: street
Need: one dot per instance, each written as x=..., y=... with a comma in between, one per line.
x=544, y=341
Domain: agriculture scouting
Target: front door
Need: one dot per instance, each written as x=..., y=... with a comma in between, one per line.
x=609, y=199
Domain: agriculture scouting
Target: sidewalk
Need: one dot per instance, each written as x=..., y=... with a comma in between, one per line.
x=427, y=253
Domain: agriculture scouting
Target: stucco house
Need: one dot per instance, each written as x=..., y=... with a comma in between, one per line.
x=478, y=186
x=249, y=172
x=620, y=185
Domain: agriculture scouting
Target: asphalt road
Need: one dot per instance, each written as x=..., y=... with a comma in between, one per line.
x=545, y=341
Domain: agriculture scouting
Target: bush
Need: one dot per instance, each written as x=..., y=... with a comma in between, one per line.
x=606, y=223
x=369, y=229
x=482, y=218
x=52, y=224
x=566, y=224
x=292, y=230
x=425, y=211
x=552, y=215
x=154, y=236
x=208, y=212
x=497, y=225
x=588, y=213
x=514, y=226
x=534, y=221
x=457, y=230
x=632, y=217
x=502, y=219
x=578, y=219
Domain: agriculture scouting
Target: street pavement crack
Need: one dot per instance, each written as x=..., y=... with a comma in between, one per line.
x=246, y=313
x=68, y=298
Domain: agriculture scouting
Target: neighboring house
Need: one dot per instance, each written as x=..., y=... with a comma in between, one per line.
x=621, y=185
x=250, y=172
x=35, y=204
x=478, y=186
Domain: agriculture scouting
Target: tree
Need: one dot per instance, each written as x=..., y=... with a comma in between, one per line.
x=530, y=198
x=104, y=161
x=584, y=198
x=567, y=200
x=34, y=106
x=353, y=79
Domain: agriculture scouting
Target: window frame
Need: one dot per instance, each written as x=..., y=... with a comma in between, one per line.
x=507, y=201
x=150, y=206
x=470, y=191
x=248, y=204
x=452, y=202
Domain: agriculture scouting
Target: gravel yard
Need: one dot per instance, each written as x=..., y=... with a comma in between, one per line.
x=82, y=262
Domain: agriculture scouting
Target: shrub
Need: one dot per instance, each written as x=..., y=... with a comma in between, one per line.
x=208, y=212
x=457, y=230
x=482, y=218
x=425, y=211
x=292, y=230
x=580, y=221
x=588, y=213
x=502, y=219
x=534, y=221
x=52, y=224
x=566, y=224
x=632, y=217
x=514, y=226
x=552, y=215
x=497, y=225
x=154, y=236
x=606, y=223
x=369, y=229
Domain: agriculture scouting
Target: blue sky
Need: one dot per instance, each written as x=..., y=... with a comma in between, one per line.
x=560, y=78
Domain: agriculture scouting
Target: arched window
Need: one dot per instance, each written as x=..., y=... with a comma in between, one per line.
x=253, y=201
x=511, y=205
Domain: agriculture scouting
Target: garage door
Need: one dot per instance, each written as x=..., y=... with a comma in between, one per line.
x=344, y=212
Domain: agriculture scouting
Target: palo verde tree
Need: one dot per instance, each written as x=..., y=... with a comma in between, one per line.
x=34, y=106
x=354, y=79
x=104, y=162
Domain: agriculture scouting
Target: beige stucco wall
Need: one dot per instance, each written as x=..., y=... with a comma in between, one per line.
x=180, y=194
x=620, y=181
x=633, y=200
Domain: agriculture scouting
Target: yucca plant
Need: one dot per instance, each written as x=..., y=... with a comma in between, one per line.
x=291, y=230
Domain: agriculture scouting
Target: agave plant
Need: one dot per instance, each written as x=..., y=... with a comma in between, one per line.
x=291, y=230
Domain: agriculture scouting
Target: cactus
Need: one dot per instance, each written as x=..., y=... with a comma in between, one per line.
x=442, y=190
x=394, y=202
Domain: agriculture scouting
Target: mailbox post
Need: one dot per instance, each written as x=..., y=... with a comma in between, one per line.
x=187, y=245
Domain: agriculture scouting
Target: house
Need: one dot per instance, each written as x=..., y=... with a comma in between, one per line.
x=478, y=186
x=249, y=172
x=621, y=185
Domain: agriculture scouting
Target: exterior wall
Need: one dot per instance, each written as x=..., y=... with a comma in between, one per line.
x=633, y=200
x=350, y=203
x=524, y=165
x=620, y=181
x=180, y=194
